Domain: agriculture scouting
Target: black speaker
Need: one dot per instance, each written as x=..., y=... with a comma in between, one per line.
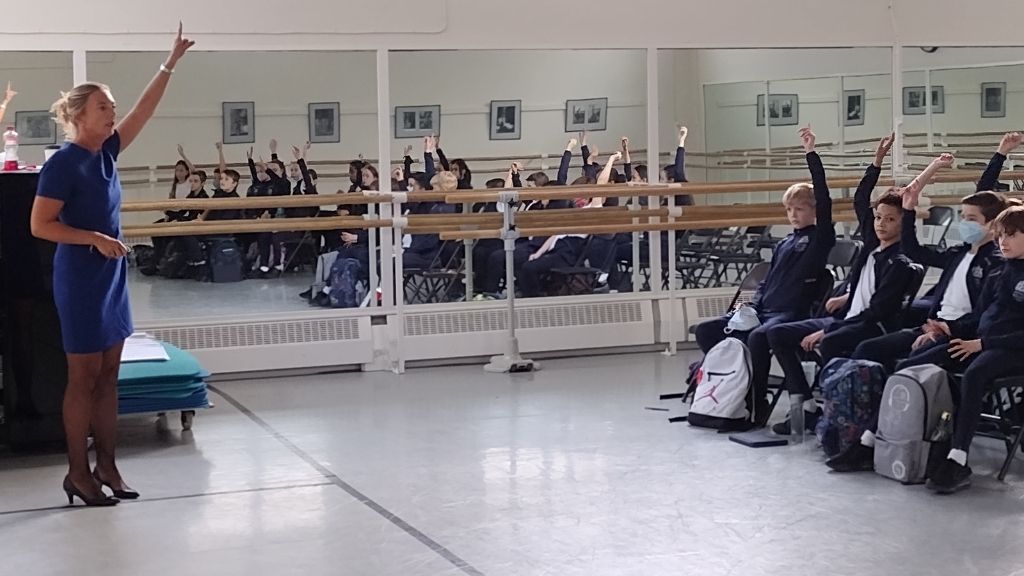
x=34, y=365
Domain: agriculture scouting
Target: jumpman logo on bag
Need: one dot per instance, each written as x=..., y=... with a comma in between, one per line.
x=711, y=393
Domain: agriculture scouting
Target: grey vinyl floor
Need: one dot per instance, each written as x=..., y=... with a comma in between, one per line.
x=454, y=471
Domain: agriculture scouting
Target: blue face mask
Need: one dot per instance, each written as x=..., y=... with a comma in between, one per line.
x=972, y=232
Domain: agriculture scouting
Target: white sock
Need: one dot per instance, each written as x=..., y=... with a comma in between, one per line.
x=603, y=278
x=810, y=405
x=868, y=439
x=958, y=456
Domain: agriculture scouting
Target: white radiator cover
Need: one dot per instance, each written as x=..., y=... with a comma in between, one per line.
x=550, y=324
x=326, y=339
x=273, y=344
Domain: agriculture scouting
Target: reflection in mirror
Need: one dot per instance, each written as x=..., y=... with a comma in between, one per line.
x=29, y=84
x=321, y=103
x=521, y=120
x=843, y=94
x=745, y=109
x=961, y=101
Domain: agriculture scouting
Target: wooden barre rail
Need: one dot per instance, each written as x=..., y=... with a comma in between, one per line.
x=268, y=202
x=524, y=194
x=624, y=227
x=198, y=228
x=555, y=221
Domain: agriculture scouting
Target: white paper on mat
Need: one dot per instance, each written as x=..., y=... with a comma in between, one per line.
x=141, y=347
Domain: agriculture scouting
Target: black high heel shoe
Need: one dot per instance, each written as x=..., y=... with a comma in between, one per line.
x=119, y=494
x=72, y=491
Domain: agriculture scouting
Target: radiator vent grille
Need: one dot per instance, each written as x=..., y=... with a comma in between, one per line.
x=568, y=315
x=260, y=334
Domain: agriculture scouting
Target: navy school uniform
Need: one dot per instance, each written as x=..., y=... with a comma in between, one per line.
x=565, y=252
x=424, y=248
x=882, y=313
x=302, y=187
x=161, y=244
x=1001, y=330
x=484, y=248
x=887, y=349
x=193, y=248
x=787, y=292
x=495, y=267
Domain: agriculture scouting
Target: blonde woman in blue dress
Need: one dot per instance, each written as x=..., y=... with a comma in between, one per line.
x=78, y=207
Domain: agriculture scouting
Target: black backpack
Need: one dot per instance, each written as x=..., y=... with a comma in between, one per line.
x=225, y=260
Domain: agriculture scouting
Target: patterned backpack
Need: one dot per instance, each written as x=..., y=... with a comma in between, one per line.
x=852, y=390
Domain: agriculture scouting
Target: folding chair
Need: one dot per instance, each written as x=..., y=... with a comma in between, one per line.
x=433, y=283
x=741, y=254
x=441, y=281
x=937, y=225
x=1004, y=419
x=304, y=246
x=842, y=256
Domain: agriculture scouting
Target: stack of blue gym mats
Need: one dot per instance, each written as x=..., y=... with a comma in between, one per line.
x=162, y=386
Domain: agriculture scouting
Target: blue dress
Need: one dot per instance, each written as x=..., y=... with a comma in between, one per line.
x=89, y=289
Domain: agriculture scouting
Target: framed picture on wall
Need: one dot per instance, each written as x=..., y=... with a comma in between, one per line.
x=35, y=127
x=590, y=115
x=914, y=100
x=853, y=107
x=783, y=109
x=505, y=119
x=239, y=122
x=324, y=122
x=417, y=121
x=993, y=100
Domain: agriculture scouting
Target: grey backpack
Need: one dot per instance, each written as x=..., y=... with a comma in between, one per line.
x=912, y=406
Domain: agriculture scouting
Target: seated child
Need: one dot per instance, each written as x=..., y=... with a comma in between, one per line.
x=798, y=261
x=872, y=307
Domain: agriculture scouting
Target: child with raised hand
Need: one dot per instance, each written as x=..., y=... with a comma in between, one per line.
x=965, y=268
x=797, y=264
x=957, y=305
x=874, y=304
x=677, y=172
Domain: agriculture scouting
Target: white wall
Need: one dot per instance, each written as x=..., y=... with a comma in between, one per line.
x=281, y=84
x=962, y=89
x=450, y=24
x=38, y=78
x=464, y=83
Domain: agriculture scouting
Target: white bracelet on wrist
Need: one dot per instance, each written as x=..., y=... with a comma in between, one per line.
x=164, y=68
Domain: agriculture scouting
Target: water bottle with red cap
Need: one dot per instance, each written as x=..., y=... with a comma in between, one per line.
x=10, y=149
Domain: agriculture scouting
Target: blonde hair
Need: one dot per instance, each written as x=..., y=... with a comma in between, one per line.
x=445, y=181
x=70, y=105
x=801, y=193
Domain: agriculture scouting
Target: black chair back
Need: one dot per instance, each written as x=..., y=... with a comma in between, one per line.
x=822, y=292
x=940, y=217
x=913, y=286
x=844, y=253
x=750, y=282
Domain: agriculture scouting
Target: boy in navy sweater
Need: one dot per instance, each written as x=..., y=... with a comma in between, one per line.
x=992, y=350
x=964, y=268
x=797, y=264
x=872, y=307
